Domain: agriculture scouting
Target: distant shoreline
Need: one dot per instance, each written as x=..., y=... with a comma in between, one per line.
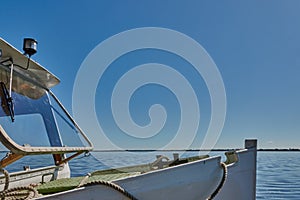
x=189, y=150
x=151, y=150
x=278, y=149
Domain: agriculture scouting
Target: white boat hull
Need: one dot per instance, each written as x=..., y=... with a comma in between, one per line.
x=35, y=176
x=195, y=180
x=241, y=177
x=191, y=181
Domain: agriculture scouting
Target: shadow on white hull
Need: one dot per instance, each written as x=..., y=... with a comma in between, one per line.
x=195, y=180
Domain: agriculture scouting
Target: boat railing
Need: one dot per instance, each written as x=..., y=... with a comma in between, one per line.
x=18, y=151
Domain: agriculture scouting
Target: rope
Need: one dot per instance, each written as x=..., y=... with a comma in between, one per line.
x=112, y=185
x=130, y=196
x=28, y=192
x=218, y=189
x=6, y=174
x=17, y=193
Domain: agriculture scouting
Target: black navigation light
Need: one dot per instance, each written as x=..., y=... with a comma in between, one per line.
x=29, y=46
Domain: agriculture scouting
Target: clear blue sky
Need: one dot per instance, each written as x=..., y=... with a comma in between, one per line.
x=255, y=44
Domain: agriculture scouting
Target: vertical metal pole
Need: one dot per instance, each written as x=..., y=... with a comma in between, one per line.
x=11, y=78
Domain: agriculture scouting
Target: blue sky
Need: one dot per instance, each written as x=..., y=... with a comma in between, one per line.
x=255, y=45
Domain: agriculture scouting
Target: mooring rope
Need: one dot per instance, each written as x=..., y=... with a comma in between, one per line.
x=130, y=196
x=218, y=189
x=6, y=174
x=28, y=192
x=17, y=193
x=112, y=185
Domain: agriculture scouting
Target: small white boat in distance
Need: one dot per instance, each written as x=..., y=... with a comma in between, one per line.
x=28, y=105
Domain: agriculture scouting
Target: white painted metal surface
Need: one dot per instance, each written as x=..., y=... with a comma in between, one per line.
x=191, y=181
x=196, y=180
x=241, y=178
x=36, y=176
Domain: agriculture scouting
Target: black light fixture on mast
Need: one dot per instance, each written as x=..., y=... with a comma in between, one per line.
x=30, y=48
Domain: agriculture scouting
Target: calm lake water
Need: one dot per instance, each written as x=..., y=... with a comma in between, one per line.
x=278, y=173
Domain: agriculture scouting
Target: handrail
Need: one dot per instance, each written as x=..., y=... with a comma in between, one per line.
x=28, y=150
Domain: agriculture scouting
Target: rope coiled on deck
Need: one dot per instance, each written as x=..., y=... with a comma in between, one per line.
x=17, y=193
x=6, y=174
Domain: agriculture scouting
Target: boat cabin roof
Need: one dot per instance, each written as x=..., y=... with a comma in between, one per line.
x=27, y=74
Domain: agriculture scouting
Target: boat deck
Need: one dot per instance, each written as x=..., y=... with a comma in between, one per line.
x=109, y=175
x=71, y=183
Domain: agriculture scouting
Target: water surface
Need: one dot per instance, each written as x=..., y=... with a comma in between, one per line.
x=278, y=173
